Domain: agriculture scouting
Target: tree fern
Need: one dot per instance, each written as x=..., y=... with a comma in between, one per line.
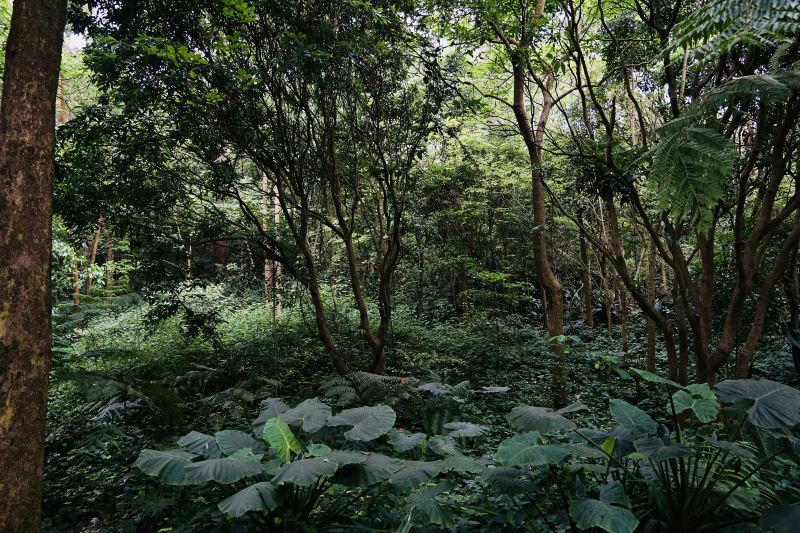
x=720, y=25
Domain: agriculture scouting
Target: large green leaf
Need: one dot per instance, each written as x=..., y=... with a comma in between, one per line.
x=654, y=378
x=444, y=445
x=541, y=419
x=270, y=408
x=463, y=464
x=278, y=435
x=526, y=450
x=201, y=444
x=654, y=449
x=368, y=423
x=428, y=509
x=412, y=474
x=699, y=398
x=508, y=480
x=402, y=441
x=589, y=513
x=631, y=418
x=465, y=429
x=224, y=471
x=311, y=415
x=376, y=468
x=230, y=441
x=781, y=518
x=774, y=405
x=305, y=472
x=167, y=466
x=259, y=497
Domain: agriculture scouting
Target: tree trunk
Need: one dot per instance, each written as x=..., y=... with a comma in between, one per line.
x=586, y=275
x=93, y=254
x=793, y=298
x=27, y=140
x=651, y=298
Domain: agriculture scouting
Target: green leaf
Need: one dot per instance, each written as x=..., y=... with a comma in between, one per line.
x=368, y=423
x=224, y=471
x=631, y=418
x=424, y=501
x=375, y=468
x=270, y=408
x=230, y=441
x=781, y=518
x=201, y=444
x=654, y=378
x=412, y=474
x=443, y=445
x=463, y=464
x=403, y=441
x=305, y=472
x=318, y=449
x=541, y=419
x=508, y=480
x=311, y=415
x=465, y=429
x=614, y=493
x=246, y=454
x=699, y=398
x=774, y=405
x=167, y=466
x=525, y=450
x=259, y=497
x=278, y=435
x=654, y=449
x=594, y=513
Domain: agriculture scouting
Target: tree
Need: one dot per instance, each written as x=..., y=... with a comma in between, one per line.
x=27, y=143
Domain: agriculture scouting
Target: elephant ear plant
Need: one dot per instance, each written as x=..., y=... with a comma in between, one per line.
x=285, y=472
x=700, y=474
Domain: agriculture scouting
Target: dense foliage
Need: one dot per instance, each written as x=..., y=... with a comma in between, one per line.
x=425, y=265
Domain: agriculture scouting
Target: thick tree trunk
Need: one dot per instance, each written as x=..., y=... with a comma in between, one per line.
x=27, y=140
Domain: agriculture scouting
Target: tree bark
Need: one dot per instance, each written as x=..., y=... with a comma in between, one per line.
x=651, y=299
x=27, y=141
x=93, y=254
x=586, y=275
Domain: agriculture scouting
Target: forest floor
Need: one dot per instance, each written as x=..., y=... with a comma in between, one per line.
x=121, y=384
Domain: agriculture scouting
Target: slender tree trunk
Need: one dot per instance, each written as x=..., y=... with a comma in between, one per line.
x=109, y=261
x=27, y=140
x=586, y=278
x=76, y=282
x=651, y=298
x=93, y=254
x=793, y=298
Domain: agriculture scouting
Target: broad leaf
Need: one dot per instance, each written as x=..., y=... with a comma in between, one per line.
x=654, y=449
x=259, y=497
x=781, y=518
x=368, y=423
x=201, y=444
x=593, y=513
x=631, y=418
x=463, y=464
x=465, y=429
x=224, y=471
x=270, y=408
x=613, y=492
x=230, y=441
x=376, y=468
x=246, y=454
x=424, y=502
x=310, y=415
x=541, y=419
x=774, y=405
x=318, y=449
x=402, y=441
x=525, y=450
x=446, y=445
x=412, y=474
x=168, y=466
x=508, y=480
x=305, y=472
x=699, y=398
x=278, y=435
x=654, y=378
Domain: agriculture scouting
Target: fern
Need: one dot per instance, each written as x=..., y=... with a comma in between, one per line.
x=722, y=24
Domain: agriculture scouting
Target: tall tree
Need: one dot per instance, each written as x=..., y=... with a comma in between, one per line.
x=27, y=141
